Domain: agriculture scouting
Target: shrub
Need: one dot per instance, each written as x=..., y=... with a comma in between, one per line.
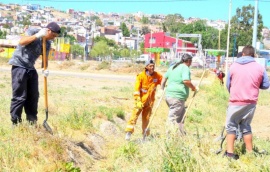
x=103, y=65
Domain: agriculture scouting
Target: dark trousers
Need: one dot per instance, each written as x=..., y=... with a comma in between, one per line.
x=24, y=94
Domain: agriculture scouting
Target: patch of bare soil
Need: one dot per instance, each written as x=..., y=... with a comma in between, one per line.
x=261, y=122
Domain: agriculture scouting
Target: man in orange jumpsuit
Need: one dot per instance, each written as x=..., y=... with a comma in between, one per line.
x=144, y=95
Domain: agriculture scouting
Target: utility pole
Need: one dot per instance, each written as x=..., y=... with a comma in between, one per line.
x=138, y=45
x=86, y=46
x=228, y=41
x=255, y=25
x=176, y=46
x=150, y=44
x=219, y=38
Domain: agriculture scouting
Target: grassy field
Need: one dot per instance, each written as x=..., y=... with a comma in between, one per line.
x=88, y=117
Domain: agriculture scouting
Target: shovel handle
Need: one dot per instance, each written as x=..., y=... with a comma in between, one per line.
x=44, y=59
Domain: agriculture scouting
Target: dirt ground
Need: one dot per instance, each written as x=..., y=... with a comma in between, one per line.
x=261, y=122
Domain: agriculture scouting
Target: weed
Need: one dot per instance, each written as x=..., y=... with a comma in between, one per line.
x=196, y=116
x=78, y=120
x=109, y=112
x=120, y=113
x=129, y=151
x=69, y=167
x=178, y=157
x=126, y=89
x=85, y=67
x=2, y=86
x=106, y=88
x=103, y=65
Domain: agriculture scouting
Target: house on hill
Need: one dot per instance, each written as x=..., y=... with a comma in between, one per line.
x=162, y=40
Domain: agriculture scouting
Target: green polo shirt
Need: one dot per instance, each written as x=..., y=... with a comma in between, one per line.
x=175, y=86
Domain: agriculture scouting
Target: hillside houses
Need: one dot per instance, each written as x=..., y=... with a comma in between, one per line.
x=85, y=24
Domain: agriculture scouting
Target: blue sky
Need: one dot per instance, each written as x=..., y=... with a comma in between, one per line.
x=211, y=9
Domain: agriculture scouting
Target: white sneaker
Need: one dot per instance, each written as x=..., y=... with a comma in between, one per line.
x=128, y=135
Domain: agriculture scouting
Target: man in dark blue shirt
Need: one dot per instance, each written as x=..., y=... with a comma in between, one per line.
x=25, y=92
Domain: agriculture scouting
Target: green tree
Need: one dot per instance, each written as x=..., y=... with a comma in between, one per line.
x=173, y=23
x=77, y=50
x=209, y=34
x=99, y=22
x=242, y=24
x=93, y=18
x=125, y=30
x=109, y=42
x=145, y=30
x=142, y=47
x=164, y=27
x=125, y=52
x=63, y=31
x=145, y=20
x=72, y=39
x=26, y=21
x=100, y=49
x=6, y=26
x=3, y=34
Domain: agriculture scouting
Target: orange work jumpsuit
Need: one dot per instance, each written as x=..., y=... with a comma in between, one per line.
x=145, y=89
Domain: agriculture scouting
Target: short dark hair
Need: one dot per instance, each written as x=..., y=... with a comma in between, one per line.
x=248, y=50
x=186, y=57
x=239, y=54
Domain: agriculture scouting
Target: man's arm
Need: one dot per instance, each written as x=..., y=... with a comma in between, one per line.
x=189, y=84
x=228, y=82
x=25, y=40
x=30, y=36
x=163, y=83
x=265, y=81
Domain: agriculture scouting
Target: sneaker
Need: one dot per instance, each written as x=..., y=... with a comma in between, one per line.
x=128, y=135
x=231, y=155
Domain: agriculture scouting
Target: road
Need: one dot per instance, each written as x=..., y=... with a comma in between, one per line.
x=125, y=78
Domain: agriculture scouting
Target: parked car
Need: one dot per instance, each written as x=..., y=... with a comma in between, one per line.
x=143, y=58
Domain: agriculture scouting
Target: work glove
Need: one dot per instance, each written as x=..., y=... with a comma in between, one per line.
x=159, y=93
x=197, y=88
x=45, y=73
x=41, y=33
x=138, y=104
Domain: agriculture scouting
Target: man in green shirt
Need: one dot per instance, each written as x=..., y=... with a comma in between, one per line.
x=178, y=83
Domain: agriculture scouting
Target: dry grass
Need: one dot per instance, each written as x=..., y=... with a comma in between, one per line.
x=78, y=109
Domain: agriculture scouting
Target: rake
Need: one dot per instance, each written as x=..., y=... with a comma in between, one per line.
x=152, y=116
x=190, y=102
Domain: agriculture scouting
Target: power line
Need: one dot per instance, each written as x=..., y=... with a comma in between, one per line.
x=259, y=0
x=124, y=1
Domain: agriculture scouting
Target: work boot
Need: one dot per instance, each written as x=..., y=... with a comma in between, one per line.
x=231, y=155
x=128, y=135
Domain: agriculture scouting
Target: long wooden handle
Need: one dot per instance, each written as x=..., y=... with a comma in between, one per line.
x=183, y=119
x=44, y=58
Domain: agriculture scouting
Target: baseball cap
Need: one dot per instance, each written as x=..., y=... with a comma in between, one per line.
x=149, y=62
x=54, y=27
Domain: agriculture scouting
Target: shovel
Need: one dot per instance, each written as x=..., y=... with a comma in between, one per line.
x=45, y=124
x=152, y=116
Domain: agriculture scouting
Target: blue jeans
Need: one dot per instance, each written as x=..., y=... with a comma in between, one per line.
x=24, y=94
